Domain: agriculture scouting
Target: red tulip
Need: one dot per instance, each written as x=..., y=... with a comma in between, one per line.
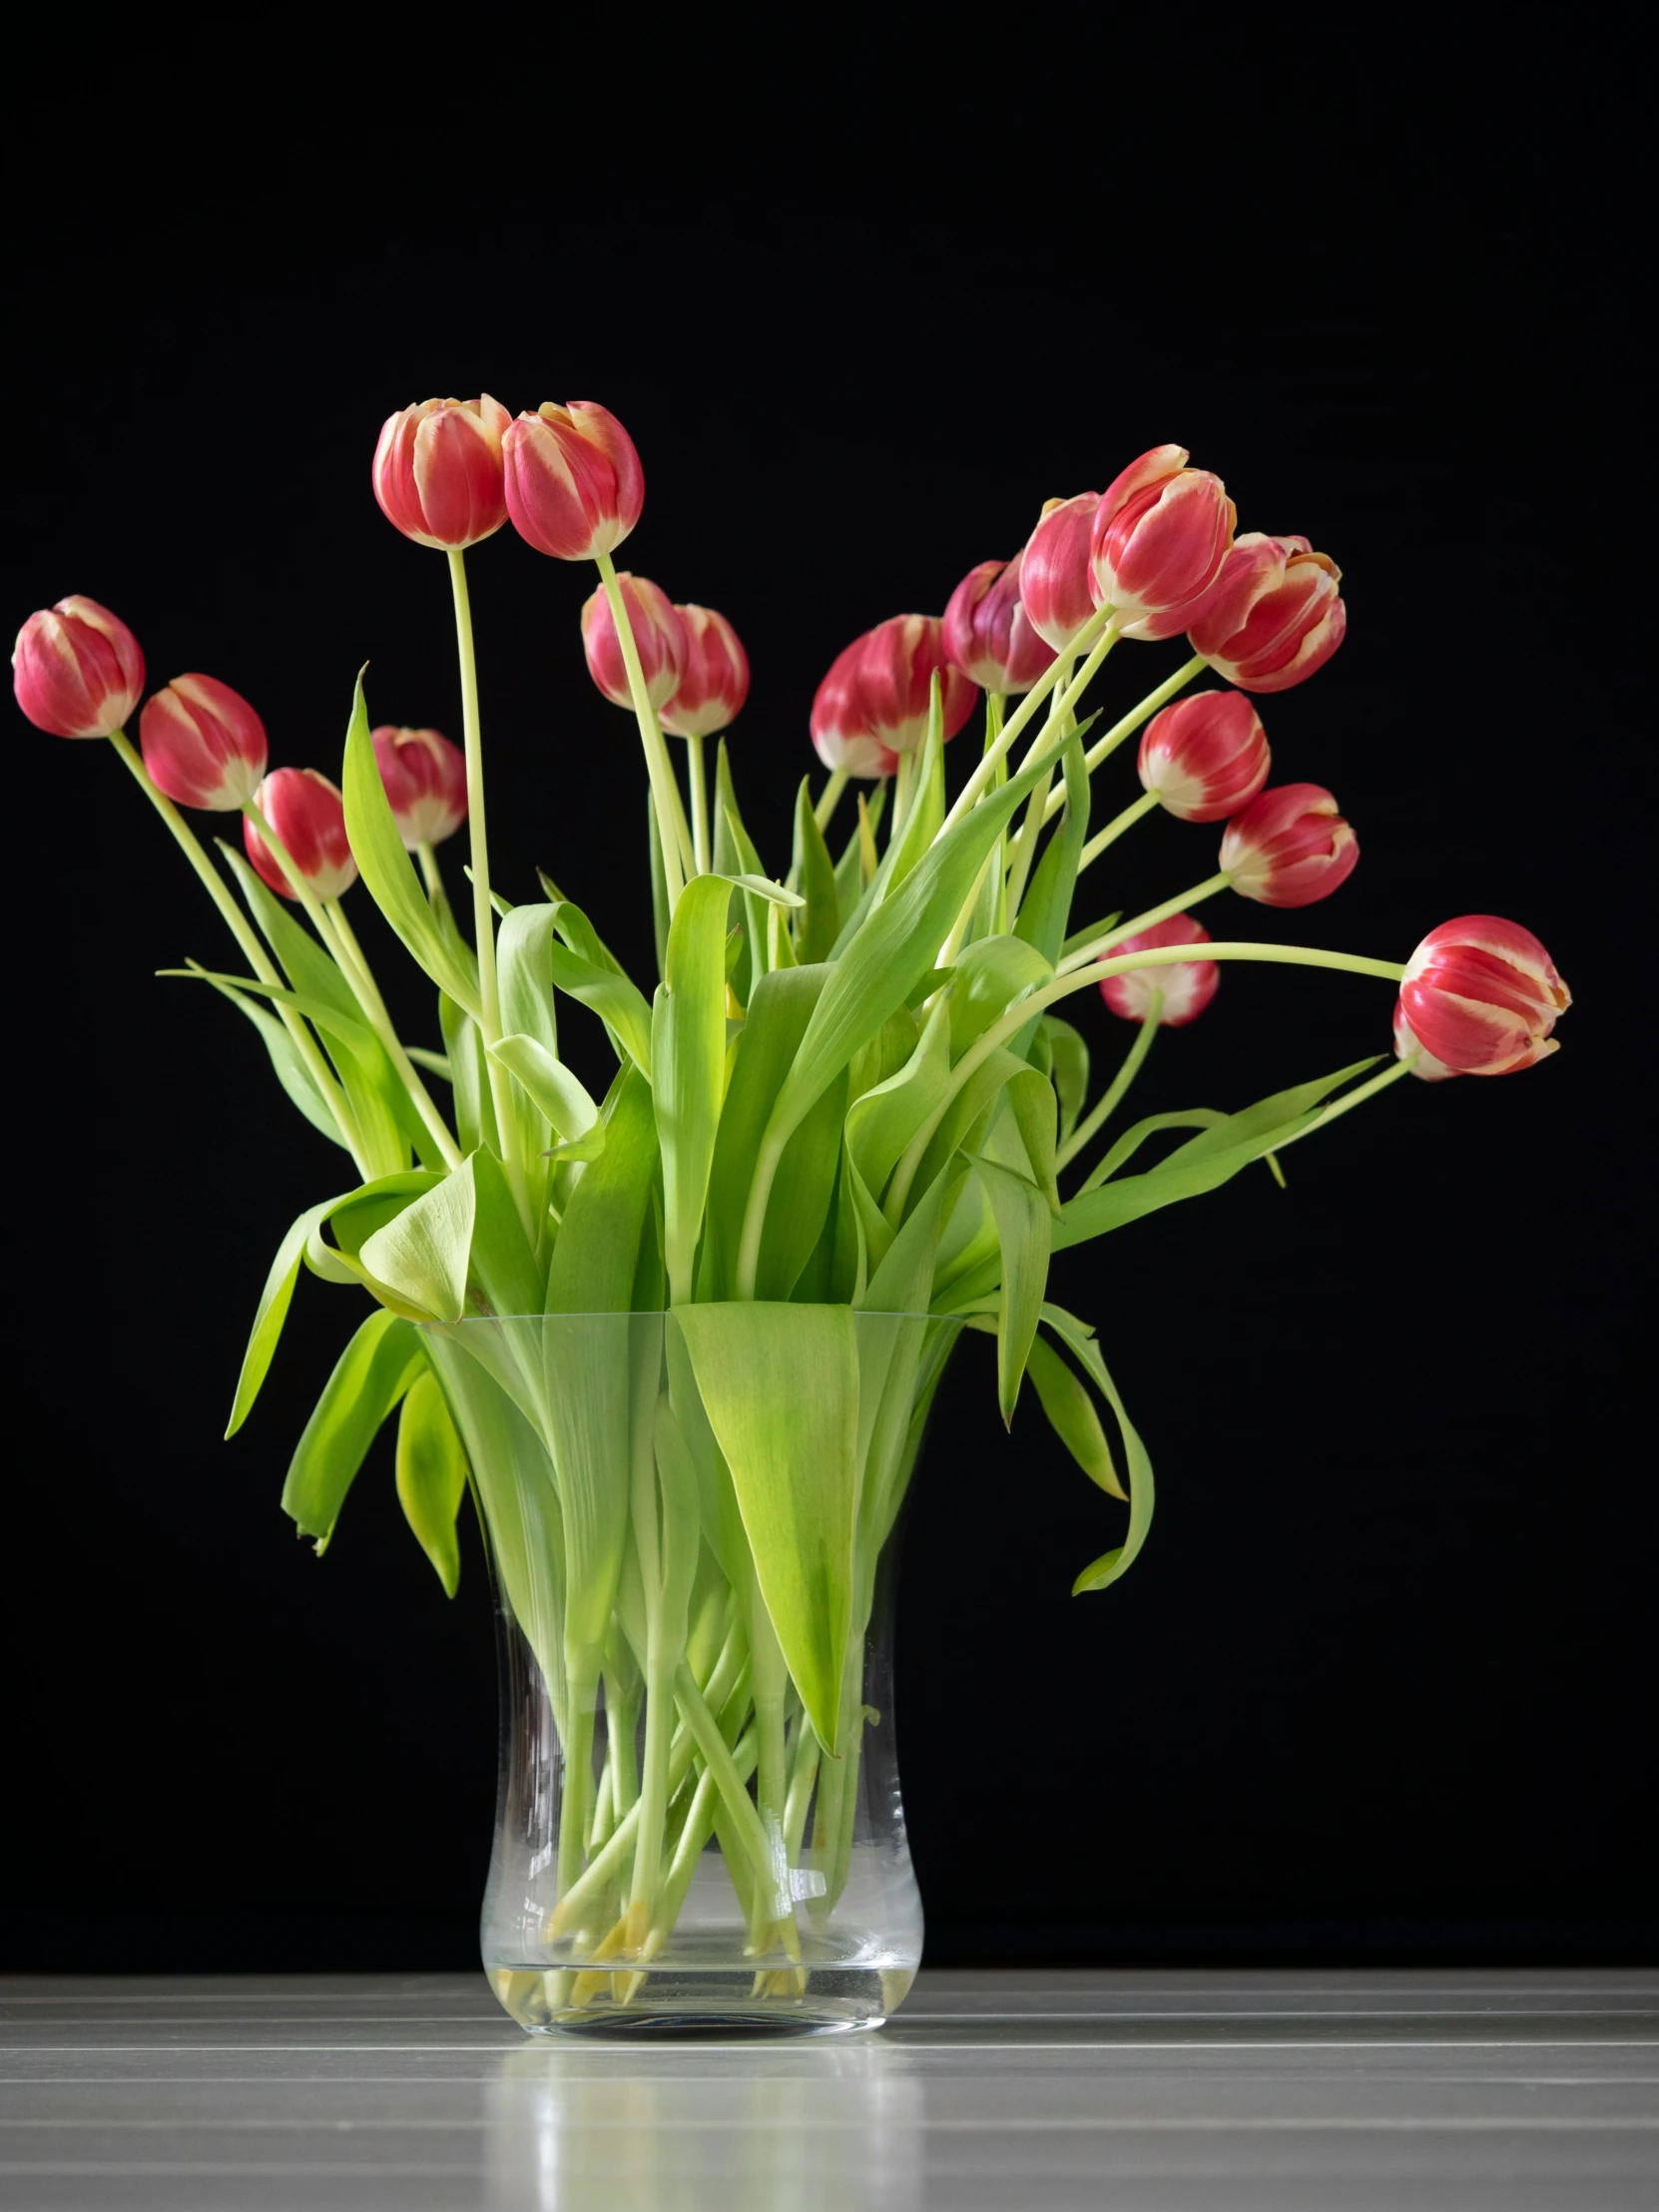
x=714, y=678
x=658, y=636
x=1160, y=535
x=202, y=744
x=308, y=817
x=1205, y=756
x=437, y=471
x=1055, y=586
x=575, y=487
x=1483, y=996
x=1290, y=847
x=1272, y=616
x=425, y=780
x=987, y=631
x=1409, y=1047
x=842, y=731
x=1188, y=986
x=77, y=670
x=896, y=665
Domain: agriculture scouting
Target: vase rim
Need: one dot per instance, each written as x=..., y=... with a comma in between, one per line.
x=858, y=1312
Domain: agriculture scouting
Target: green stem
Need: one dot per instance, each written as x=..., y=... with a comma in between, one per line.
x=248, y=939
x=694, y=1834
x=653, y=1803
x=432, y=874
x=830, y=797
x=768, y=1682
x=582, y=1676
x=1118, y=1089
x=698, y=778
x=361, y=978
x=1097, y=624
x=1115, y=828
x=1354, y=1098
x=1092, y=947
x=904, y=785
x=1104, y=746
x=739, y=1806
x=665, y=791
x=1025, y=843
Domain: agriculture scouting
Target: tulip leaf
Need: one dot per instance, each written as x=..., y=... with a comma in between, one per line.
x=1023, y=1227
x=422, y=1253
x=594, y=1258
x=777, y=1020
x=501, y=1268
x=386, y=867
x=468, y=1076
x=308, y=966
x=780, y=1385
x=990, y=975
x=431, y=1476
x=372, y=1372
x=289, y=1069
x=881, y=1123
x=1046, y=907
x=611, y=996
x=1116, y=1562
x=688, y=1057
x=566, y=1103
x=273, y=1311
x=1069, y=1068
x=815, y=872
x=1071, y=1415
x=849, y=881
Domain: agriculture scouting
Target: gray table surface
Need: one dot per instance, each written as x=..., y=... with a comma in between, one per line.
x=1023, y=2093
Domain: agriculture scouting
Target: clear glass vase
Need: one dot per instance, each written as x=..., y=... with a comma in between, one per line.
x=690, y=1519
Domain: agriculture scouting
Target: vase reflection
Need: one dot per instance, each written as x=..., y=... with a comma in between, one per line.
x=793, y=2128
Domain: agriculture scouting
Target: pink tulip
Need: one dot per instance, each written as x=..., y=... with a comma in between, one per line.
x=1272, y=616
x=1290, y=847
x=575, y=486
x=988, y=634
x=425, y=780
x=1160, y=535
x=202, y=744
x=1188, y=986
x=841, y=731
x=437, y=471
x=77, y=670
x=308, y=817
x=1409, y=1047
x=1205, y=756
x=713, y=678
x=1483, y=996
x=658, y=636
x=1055, y=586
x=896, y=665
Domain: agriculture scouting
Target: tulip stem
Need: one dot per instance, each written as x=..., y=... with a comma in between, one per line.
x=830, y=797
x=699, y=781
x=1081, y=951
x=903, y=785
x=1115, y=828
x=431, y=874
x=972, y=791
x=665, y=791
x=1025, y=843
x=367, y=991
x=1354, y=1098
x=1132, y=720
x=1118, y=1088
x=316, y=1066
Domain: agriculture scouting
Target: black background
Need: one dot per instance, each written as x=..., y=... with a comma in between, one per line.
x=1380, y=1684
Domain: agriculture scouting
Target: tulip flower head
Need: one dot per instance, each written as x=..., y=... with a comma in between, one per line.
x=308, y=815
x=77, y=670
x=437, y=471
x=575, y=487
x=1187, y=986
x=1055, y=587
x=1290, y=847
x=1407, y=1046
x=202, y=744
x=988, y=634
x=1483, y=996
x=425, y=780
x=1274, y=615
x=713, y=676
x=842, y=731
x=898, y=662
x=1205, y=756
x=1158, y=540
x=659, y=637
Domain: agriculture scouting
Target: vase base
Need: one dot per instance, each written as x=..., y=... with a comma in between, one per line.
x=666, y=2007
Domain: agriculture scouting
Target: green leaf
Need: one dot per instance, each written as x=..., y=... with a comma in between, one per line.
x=469, y=1077
x=1116, y=1562
x=1031, y=1106
x=849, y=869
x=1069, y=1060
x=566, y=1104
x=990, y=975
x=882, y=1121
x=386, y=867
x=1071, y=1415
x=501, y=1266
x=687, y=1058
x=422, y=1254
x=1024, y=1227
x=815, y=872
x=598, y=1244
x=926, y=816
x=289, y=1069
x=273, y=1310
x=372, y=1374
x=431, y=1476
x=780, y=1385
x=309, y=966
x=1046, y=905
x=1079, y=1340
x=611, y=996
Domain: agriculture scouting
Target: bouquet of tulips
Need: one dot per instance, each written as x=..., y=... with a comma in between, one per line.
x=852, y=1091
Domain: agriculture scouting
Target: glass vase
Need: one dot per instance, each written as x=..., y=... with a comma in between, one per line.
x=690, y=1519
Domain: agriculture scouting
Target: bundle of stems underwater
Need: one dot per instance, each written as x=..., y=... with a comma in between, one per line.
x=852, y=1093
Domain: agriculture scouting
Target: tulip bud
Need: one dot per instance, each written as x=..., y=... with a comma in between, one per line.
x=659, y=634
x=714, y=678
x=1055, y=587
x=425, y=780
x=1408, y=1046
x=1290, y=847
x=1272, y=615
x=897, y=660
x=77, y=670
x=202, y=744
x=1483, y=996
x=437, y=471
x=987, y=631
x=1160, y=535
x=1205, y=756
x=309, y=815
x=575, y=486
x=1188, y=986
x=841, y=726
